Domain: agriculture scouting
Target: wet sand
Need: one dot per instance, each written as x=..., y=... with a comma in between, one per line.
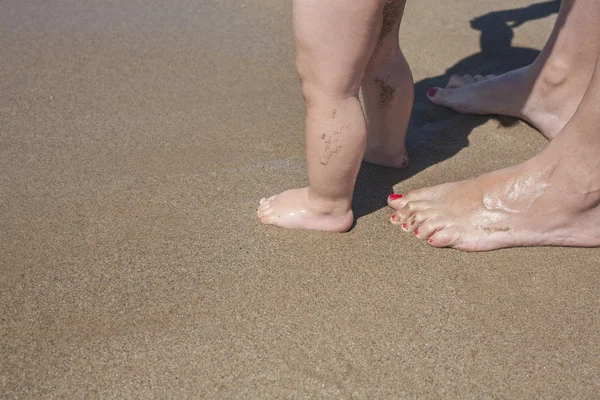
x=136, y=138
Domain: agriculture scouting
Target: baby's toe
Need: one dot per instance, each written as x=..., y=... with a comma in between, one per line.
x=264, y=212
x=268, y=219
x=264, y=199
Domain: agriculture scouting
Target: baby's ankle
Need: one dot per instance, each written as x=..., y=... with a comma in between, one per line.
x=329, y=205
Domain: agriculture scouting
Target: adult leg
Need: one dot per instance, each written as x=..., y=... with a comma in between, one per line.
x=552, y=199
x=545, y=93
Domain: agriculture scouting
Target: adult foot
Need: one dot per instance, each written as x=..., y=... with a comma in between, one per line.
x=542, y=202
x=295, y=209
x=545, y=97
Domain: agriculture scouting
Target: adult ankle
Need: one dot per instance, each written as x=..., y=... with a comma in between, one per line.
x=554, y=72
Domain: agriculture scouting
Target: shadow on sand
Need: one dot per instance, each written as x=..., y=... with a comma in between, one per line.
x=429, y=141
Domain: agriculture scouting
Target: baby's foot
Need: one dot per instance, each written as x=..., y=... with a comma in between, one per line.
x=547, y=99
x=294, y=209
x=389, y=158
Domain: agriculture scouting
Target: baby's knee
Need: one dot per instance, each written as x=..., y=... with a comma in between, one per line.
x=322, y=76
x=316, y=89
x=334, y=43
x=316, y=94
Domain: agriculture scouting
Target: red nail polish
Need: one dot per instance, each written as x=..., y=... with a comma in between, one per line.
x=432, y=91
x=416, y=233
x=393, y=216
x=404, y=225
x=430, y=240
x=395, y=196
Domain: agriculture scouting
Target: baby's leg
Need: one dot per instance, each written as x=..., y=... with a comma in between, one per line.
x=334, y=43
x=388, y=92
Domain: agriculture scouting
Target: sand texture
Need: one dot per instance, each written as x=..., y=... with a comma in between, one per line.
x=136, y=138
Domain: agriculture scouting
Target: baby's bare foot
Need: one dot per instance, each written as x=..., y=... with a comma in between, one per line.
x=294, y=209
x=547, y=99
x=539, y=203
x=398, y=159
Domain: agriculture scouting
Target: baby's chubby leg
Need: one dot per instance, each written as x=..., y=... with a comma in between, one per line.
x=388, y=93
x=335, y=40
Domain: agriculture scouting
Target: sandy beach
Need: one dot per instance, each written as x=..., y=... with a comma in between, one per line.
x=136, y=138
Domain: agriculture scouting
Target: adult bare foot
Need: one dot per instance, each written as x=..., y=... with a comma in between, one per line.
x=538, y=203
x=546, y=100
x=552, y=199
x=295, y=209
x=546, y=93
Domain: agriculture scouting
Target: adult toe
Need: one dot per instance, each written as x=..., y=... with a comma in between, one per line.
x=447, y=237
x=455, y=81
x=428, y=228
x=404, y=215
x=419, y=218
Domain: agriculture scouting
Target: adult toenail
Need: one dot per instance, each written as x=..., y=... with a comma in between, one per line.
x=430, y=240
x=404, y=225
x=395, y=196
x=393, y=216
x=432, y=91
x=416, y=233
